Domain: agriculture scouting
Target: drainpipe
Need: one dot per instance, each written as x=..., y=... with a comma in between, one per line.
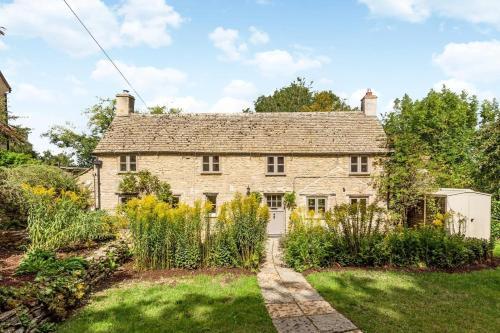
x=98, y=165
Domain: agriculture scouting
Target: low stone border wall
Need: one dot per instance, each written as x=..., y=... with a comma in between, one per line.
x=36, y=317
x=13, y=239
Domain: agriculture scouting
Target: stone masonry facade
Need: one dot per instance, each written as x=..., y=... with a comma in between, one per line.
x=309, y=176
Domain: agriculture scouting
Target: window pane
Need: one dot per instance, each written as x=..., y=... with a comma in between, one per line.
x=311, y=204
x=270, y=160
x=132, y=158
x=132, y=167
x=364, y=159
x=321, y=205
x=213, y=200
x=354, y=200
x=123, y=166
x=354, y=160
x=364, y=168
x=281, y=160
x=215, y=167
x=281, y=168
x=206, y=159
x=270, y=168
x=215, y=159
x=123, y=159
x=279, y=201
x=206, y=163
x=362, y=202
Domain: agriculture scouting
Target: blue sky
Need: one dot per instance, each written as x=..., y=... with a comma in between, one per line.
x=218, y=56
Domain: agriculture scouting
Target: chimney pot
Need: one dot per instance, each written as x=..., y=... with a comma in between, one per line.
x=124, y=104
x=369, y=103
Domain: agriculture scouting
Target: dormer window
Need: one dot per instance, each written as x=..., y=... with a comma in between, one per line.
x=128, y=163
x=275, y=165
x=211, y=164
x=359, y=165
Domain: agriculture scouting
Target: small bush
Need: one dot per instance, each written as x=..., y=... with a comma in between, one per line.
x=495, y=219
x=57, y=221
x=45, y=263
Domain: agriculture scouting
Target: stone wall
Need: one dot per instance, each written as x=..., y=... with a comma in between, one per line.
x=34, y=316
x=326, y=176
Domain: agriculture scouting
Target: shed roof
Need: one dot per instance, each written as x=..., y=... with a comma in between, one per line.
x=456, y=191
x=259, y=133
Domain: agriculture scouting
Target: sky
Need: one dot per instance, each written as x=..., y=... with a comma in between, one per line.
x=219, y=56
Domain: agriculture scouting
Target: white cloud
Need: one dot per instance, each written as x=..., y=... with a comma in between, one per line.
x=458, y=86
x=281, y=62
x=134, y=22
x=258, y=36
x=148, y=80
x=146, y=21
x=240, y=88
x=3, y=46
x=227, y=40
x=479, y=11
x=188, y=104
x=409, y=10
x=230, y=105
x=474, y=61
x=31, y=93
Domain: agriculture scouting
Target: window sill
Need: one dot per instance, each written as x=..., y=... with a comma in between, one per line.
x=125, y=172
x=359, y=174
x=211, y=173
x=275, y=174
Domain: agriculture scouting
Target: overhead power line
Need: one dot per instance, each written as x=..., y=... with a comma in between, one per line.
x=106, y=54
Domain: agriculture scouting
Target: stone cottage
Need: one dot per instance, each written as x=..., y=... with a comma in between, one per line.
x=326, y=158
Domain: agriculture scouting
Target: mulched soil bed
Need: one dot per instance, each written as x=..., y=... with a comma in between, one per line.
x=471, y=268
x=127, y=273
x=9, y=260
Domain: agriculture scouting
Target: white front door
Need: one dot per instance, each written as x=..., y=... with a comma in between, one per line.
x=276, y=226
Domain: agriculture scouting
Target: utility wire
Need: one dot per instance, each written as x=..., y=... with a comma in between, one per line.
x=106, y=54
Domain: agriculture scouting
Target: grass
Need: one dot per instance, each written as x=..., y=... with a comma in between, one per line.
x=222, y=303
x=378, y=301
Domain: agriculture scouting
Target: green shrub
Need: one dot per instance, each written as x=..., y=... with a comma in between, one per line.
x=13, y=204
x=308, y=243
x=12, y=159
x=57, y=221
x=145, y=183
x=249, y=222
x=45, y=263
x=350, y=237
x=166, y=237
x=495, y=219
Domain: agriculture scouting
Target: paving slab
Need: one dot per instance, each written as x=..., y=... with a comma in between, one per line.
x=294, y=325
x=282, y=310
x=315, y=307
x=332, y=322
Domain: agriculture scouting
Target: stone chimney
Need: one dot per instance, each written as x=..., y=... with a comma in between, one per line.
x=369, y=104
x=124, y=104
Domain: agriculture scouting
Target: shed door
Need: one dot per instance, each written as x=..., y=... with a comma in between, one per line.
x=276, y=226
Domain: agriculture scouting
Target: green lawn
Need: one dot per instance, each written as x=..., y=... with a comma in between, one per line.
x=383, y=302
x=223, y=303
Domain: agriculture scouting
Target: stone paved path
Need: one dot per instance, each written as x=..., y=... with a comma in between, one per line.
x=293, y=304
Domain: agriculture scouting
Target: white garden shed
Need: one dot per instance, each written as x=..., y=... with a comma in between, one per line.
x=471, y=206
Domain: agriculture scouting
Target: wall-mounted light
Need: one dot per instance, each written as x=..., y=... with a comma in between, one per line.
x=248, y=190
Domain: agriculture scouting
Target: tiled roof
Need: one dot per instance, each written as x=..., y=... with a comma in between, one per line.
x=259, y=133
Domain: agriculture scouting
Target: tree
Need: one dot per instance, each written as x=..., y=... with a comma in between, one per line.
x=299, y=97
x=431, y=145
x=162, y=109
x=2, y=31
x=145, y=183
x=61, y=159
x=487, y=149
x=81, y=145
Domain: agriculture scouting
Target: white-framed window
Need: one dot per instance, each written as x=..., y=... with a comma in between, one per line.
x=210, y=164
x=128, y=163
x=361, y=200
x=316, y=204
x=274, y=200
x=212, y=198
x=359, y=164
x=275, y=165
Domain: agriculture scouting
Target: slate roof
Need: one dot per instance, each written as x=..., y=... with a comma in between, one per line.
x=307, y=133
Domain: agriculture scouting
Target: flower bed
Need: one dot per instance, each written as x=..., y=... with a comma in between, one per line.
x=59, y=287
x=362, y=237
x=184, y=237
